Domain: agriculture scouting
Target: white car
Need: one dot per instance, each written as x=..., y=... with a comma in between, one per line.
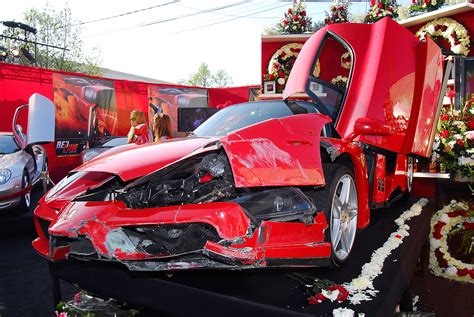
x=22, y=159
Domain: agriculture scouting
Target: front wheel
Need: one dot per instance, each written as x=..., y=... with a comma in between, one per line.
x=338, y=200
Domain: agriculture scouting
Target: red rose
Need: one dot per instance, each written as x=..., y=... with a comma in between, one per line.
x=456, y=213
x=285, y=22
x=413, y=1
x=444, y=133
x=390, y=9
x=289, y=11
x=471, y=273
x=441, y=261
x=341, y=8
x=372, y=3
x=343, y=293
x=463, y=272
x=470, y=123
x=303, y=23
x=444, y=117
x=427, y=1
x=469, y=226
x=437, y=230
x=281, y=74
x=283, y=54
x=444, y=28
x=437, y=27
x=460, y=142
x=296, y=17
x=380, y=5
x=313, y=300
x=303, y=13
x=320, y=298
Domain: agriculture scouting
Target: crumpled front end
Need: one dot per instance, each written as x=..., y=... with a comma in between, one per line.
x=197, y=211
x=214, y=235
x=187, y=215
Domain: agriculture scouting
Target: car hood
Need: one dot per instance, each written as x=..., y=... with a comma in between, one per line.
x=132, y=161
x=10, y=160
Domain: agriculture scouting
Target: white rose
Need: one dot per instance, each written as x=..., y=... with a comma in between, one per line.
x=343, y=312
x=332, y=296
x=435, y=243
x=451, y=271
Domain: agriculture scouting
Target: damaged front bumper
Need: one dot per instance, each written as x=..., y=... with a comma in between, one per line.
x=194, y=236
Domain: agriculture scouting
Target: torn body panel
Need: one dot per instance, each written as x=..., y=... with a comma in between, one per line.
x=172, y=236
x=285, y=153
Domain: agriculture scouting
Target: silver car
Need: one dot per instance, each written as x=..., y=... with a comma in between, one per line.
x=22, y=159
x=19, y=170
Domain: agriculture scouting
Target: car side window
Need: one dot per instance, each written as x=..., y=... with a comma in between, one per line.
x=330, y=75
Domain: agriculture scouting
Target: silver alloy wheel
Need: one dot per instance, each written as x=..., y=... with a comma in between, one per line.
x=343, y=217
x=27, y=195
x=410, y=171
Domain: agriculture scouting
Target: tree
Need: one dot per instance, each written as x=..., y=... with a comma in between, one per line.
x=54, y=29
x=205, y=78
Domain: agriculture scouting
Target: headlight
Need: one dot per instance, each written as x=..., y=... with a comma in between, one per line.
x=63, y=183
x=5, y=175
x=89, y=156
x=284, y=204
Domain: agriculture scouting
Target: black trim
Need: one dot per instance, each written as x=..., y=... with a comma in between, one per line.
x=311, y=78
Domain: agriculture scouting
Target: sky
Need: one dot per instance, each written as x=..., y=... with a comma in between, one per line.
x=168, y=40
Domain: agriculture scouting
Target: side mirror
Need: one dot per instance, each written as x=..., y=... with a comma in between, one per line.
x=368, y=126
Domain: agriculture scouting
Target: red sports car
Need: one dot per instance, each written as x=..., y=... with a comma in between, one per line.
x=260, y=184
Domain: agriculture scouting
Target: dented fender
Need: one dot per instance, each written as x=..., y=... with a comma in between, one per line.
x=285, y=153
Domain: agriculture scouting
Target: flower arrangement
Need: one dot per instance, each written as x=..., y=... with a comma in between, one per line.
x=380, y=9
x=453, y=143
x=296, y=21
x=424, y=5
x=340, y=81
x=346, y=61
x=280, y=65
x=455, y=216
x=339, y=12
x=452, y=31
x=326, y=290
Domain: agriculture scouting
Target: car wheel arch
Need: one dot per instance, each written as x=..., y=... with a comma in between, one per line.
x=335, y=151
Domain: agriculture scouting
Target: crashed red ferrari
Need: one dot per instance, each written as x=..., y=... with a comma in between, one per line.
x=261, y=184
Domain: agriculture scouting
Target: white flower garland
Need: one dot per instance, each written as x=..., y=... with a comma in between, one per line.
x=450, y=26
x=288, y=49
x=362, y=288
x=454, y=265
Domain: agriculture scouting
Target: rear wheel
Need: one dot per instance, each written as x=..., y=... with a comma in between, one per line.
x=338, y=200
x=25, y=200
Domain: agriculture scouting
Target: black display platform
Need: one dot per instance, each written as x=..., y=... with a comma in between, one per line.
x=262, y=292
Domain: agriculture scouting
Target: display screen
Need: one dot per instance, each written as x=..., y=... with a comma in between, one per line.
x=191, y=118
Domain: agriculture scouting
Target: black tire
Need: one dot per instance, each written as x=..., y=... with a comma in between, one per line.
x=25, y=201
x=337, y=176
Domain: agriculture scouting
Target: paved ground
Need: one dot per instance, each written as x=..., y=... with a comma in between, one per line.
x=25, y=286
